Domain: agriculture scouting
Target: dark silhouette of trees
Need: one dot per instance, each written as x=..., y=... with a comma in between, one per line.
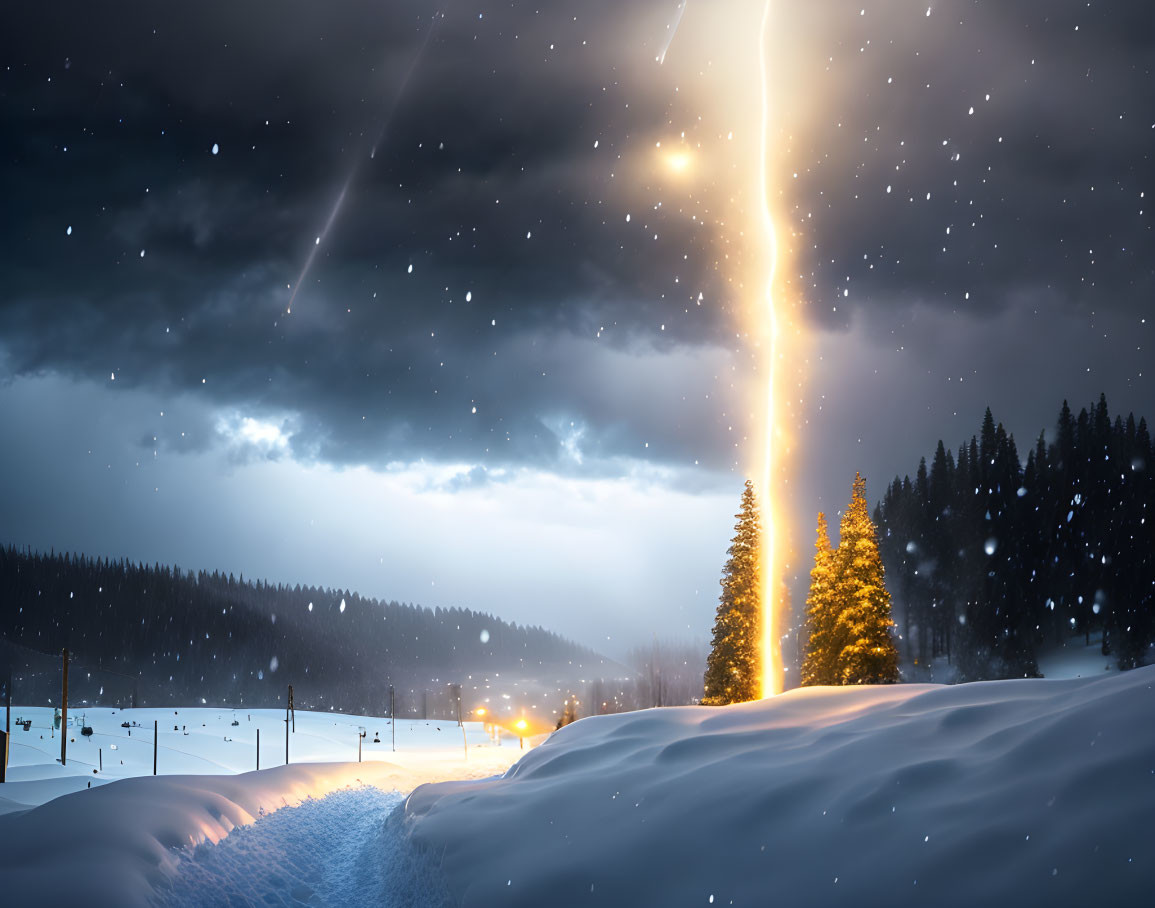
x=183, y=637
x=992, y=559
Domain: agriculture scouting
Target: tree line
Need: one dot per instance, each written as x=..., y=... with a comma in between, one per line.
x=992, y=559
x=164, y=635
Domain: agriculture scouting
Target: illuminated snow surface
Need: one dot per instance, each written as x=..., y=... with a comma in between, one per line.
x=1036, y=792
x=1010, y=792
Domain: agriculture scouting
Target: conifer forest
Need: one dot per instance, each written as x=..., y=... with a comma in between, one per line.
x=992, y=558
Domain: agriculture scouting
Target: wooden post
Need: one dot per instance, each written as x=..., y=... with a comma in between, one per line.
x=3, y=756
x=286, y=740
x=64, y=711
x=393, y=716
x=258, y=749
x=154, y=745
x=100, y=756
x=358, y=747
x=292, y=712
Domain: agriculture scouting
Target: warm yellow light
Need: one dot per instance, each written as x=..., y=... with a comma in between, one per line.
x=521, y=725
x=480, y=711
x=768, y=559
x=678, y=161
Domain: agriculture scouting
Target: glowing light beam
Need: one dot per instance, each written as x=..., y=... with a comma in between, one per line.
x=335, y=211
x=766, y=499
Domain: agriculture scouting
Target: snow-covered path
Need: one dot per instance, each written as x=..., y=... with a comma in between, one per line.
x=328, y=851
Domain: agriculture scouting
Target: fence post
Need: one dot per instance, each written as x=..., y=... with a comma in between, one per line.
x=286, y=740
x=155, y=727
x=258, y=748
x=64, y=711
x=358, y=747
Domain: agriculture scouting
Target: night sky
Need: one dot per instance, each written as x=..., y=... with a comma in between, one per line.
x=522, y=371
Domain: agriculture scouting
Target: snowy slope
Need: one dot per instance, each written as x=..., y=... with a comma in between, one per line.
x=1007, y=792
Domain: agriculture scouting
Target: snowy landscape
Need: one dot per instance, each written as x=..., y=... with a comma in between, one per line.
x=1016, y=792
x=666, y=453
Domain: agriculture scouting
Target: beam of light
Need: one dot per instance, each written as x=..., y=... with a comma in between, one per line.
x=769, y=565
x=673, y=30
x=335, y=210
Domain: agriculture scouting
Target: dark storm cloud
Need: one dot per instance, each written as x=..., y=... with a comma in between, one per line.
x=1040, y=185
x=485, y=182
x=576, y=344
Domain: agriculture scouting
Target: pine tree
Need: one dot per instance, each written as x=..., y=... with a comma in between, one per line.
x=568, y=713
x=733, y=668
x=868, y=654
x=819, y=665
x=848, y=609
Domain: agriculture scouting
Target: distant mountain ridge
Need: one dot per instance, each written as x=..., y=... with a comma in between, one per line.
x=171, y=636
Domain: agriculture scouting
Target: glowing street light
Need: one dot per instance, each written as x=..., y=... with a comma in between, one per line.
x=521, y=725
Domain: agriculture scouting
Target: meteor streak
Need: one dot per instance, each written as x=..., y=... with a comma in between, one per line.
x=340, y=200
x=673, y=29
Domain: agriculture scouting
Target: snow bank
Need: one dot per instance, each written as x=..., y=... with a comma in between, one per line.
x=1026, y=791
x=112, y=845
x=124, y=842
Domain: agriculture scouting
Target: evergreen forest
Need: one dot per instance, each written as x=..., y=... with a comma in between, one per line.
x=992, y=558
x=154, y=635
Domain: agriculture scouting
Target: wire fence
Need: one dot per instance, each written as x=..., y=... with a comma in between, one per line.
x=46, y=697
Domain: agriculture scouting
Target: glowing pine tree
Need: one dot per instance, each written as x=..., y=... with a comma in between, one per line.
x=820, y=663
x=848, y=609
x=868, y=654
x=733, y=668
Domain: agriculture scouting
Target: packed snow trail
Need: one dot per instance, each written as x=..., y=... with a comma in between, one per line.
x=328, y=851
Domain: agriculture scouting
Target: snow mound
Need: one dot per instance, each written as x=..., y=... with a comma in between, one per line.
x=1011, y=792
x=123, y=843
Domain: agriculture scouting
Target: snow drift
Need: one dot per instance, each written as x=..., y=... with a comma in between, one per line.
x=118, y=844
x=1026, y=791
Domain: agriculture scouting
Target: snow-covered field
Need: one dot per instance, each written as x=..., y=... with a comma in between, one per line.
x=197, y=741
x=1009, y=792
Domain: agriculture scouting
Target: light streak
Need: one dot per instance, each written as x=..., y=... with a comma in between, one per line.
x=340, y=200
x=673, y=29
x=766, y=500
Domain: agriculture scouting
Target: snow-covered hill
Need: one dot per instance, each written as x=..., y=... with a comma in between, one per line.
x=1027, y=792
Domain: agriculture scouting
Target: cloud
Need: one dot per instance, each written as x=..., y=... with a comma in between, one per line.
x=480, y=252
x=971, y=160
